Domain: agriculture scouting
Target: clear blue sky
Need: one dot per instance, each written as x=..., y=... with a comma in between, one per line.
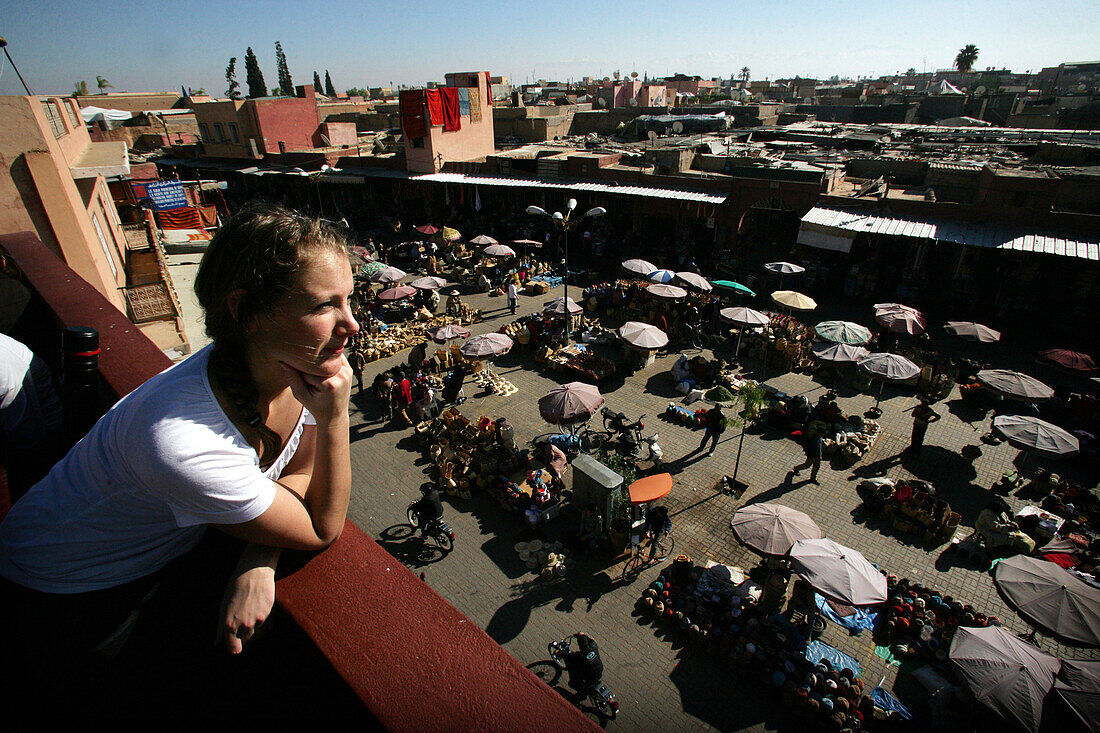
x=155, y=45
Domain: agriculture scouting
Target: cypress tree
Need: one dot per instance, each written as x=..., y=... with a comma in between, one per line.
x=253, y=77
x=233, y=92
x=317, y=83
x=285, y=82
x=329, y=89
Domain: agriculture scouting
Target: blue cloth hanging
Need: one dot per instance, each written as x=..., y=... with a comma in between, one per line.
x=464, y=101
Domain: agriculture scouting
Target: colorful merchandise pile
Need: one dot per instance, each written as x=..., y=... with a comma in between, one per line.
x=399, y=337
x=761, y=647
x=852, y=439
x=467, y=455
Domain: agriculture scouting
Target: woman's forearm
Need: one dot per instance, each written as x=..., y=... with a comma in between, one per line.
x=330, y=482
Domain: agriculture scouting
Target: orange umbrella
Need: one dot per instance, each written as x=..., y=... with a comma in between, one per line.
x=650, y=488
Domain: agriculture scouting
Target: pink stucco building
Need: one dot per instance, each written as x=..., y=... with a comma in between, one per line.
x=428, y=143
x=631, y=93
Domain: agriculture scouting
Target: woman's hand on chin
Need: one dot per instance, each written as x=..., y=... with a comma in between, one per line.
x=324, y=393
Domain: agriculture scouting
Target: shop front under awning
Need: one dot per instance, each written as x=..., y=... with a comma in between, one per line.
x=836, y=229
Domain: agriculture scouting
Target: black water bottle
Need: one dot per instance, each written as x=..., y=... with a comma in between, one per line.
x=81, y=401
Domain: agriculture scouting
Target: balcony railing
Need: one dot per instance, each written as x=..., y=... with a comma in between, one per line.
x=410, y=659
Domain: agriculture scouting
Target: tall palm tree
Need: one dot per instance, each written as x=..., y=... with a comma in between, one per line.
x=103, y=84
x=745, y=74
x=968, y=54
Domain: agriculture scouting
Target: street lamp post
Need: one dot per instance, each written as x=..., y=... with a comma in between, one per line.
x=564, y=223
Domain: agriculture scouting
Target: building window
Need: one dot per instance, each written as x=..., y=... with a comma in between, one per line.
x=74, y=118
x=53, y=117
x=219, y=132
x=472, y=82
x=103, y=242
x=418, y=142
x=233, y=134
x=204, y=132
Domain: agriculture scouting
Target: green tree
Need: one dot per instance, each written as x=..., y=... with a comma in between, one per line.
x=103, y=84
x=329, y=89
x=234, y=90
x=357, y=92
x=910, y=71
x=745, y=74
x=253, y=77
x=317, y=83
x=80, y=89
x=966, y=57
x=286, y=84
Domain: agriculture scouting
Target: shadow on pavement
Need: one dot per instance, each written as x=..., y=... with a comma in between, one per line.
x=408, y=548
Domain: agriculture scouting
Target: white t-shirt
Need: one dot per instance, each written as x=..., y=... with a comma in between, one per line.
x=29, y=406
x=140, y=488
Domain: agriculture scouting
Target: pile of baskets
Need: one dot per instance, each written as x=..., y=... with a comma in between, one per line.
x=466, y=455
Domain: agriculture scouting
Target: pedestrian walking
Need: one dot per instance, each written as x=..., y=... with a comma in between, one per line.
x=923, y=414
x=813, y=456
x=513, y=295
x=715, y=423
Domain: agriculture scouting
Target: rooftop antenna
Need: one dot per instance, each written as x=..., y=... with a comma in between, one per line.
x=4, y=45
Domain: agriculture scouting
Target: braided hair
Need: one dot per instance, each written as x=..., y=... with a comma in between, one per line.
x=257, y=253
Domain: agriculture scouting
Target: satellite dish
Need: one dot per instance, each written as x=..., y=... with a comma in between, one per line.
x=677, y=127
x=634, y=75
x=980, y=90
x=601, y=102
x=652, y=136
x=634, y=103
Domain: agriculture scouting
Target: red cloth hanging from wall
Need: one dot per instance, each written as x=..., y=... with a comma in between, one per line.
x=435, y=106
x=412, y=113
x=452, y=118
x=186, y=218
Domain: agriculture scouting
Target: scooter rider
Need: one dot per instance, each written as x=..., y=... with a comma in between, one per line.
x=429, y=507
x=584, y=666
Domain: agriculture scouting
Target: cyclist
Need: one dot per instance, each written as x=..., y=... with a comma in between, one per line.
x=657, y=526
x=584, y=666
x=428, y=508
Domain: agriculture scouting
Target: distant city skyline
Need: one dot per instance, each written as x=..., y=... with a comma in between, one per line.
x=159, y=46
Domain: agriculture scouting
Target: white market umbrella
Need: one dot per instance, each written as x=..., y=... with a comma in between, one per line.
x=431, y=282
x=557, y=306
x=1049, y=596
x=1038, y=436
x=1004, y=673
x=443, y=334
x=667, y=292
x=483, y=240
x=795, y=300
x=784, y=269
x=902, y=320
x=843, y=332
x=641, y=268
x=840, y=353
x=486, y=346
x=773, y=528
x=643, y=335
x=499, y=250
x=388, y=275
x=1015, y=385
x=838, y=572
x=694, y=280
x=970, y=331
x=886, y=367
x=661, y=276
x=745, y=318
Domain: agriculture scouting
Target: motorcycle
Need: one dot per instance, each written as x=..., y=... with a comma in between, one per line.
x=598, y=694
x=628, y=438
x=436, y=530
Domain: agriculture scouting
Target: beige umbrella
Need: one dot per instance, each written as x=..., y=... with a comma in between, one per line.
x=499, y=250
x=557, y=306
x=773, y=528
x=694, y=280
x=1015, y=385
x=388, y=275
x=486, y=345
x=431, y=282
x=971, y=331
x=745, y=318
x=443, y=334
x=570, y=403
x=643, y=335
x=667, y=292
x=840, y=353
x=1004, y=673
x=886, y=367
x=1032, y=434
x=901, y=320
x=483, y=240
x=838, y=572
x=1050, y=597
x=642, y=268
x=795, y=300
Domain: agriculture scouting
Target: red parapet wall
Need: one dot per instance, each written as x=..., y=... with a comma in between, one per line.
x=412, y=658
x=416, y=662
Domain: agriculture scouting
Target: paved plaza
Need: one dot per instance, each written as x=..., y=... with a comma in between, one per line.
x=663, y=682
